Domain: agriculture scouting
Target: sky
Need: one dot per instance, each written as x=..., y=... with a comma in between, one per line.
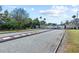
x=52, y=13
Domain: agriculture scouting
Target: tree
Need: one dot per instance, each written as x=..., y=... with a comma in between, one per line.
x=6, y=13
x=0, y=8
x=52, y=24
x=36, y=23
x=67, y=22
x=44, y=18
x=42, y=22
x=40, y=17
x=76, y=20
x=6, y=17
x=0, y=11
x=74, y=16
x=19, y=14
x=28, y=23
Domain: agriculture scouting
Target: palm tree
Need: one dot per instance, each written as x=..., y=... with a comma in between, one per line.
x=44, y=18
x=40, y=17
x=75, y=21
x=74, y=16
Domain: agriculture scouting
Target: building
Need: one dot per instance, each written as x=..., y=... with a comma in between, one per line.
x=2, y=22
x=74, y=24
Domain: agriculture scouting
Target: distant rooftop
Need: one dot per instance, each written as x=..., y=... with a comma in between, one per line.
x=2, y=22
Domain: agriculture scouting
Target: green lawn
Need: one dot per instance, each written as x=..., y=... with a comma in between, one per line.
x=9, y=31
x=72, y=44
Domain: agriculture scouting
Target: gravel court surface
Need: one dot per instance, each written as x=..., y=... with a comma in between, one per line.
x=40, y=43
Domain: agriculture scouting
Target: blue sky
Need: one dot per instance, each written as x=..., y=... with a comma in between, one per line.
x=52, y=13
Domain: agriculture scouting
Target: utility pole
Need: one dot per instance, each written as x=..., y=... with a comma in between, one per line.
x=77, y=14
x=77, y=21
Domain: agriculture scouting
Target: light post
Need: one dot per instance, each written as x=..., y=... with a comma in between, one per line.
x=77, y=14
x=77, y=21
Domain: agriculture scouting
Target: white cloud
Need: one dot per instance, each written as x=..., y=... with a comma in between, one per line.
x=54, y=10
x=25, y=9
x=75, y=10
x=32, y=9
x=63, y=8
x=11, y=7
x=74, y=5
